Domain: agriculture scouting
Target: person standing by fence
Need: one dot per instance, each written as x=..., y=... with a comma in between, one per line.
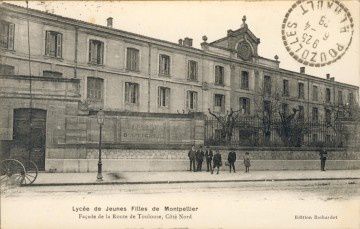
x=217, y=162
x=247, y=162
x=208, y=157
x=191, y=156
x=232, y=159
x=199, y=158
x=323, y=156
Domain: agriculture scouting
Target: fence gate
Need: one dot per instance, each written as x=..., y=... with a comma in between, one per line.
x=29, y=136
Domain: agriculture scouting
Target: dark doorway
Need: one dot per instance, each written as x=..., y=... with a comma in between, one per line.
x=29, y=136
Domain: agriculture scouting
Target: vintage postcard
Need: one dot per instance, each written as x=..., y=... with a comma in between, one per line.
x=180, y=114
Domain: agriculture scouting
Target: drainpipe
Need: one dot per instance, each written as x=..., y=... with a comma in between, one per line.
x=76, y=51
x=149, y=76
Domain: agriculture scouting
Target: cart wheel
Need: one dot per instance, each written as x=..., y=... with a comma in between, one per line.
x=12, y=170
x=31, y=172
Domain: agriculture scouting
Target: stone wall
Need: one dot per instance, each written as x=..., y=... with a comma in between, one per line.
x=177, y=160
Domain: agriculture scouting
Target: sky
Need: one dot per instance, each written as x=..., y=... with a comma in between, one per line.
x=171, y=21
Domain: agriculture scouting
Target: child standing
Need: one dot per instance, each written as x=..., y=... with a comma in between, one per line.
x=247, y=162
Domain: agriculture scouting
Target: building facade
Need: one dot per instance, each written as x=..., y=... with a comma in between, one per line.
x=75, y=68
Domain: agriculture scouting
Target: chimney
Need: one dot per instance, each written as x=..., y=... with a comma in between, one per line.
x=327, y=76
x=109, y=22
x=180, y=42
x=187, y=42
x=302, y=70
x=332, y=79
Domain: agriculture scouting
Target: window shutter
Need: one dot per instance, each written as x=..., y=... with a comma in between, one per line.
x=128, y=58
x=11, y=36
x=47, y=43
x=195, y=100
x=167, y=97
x=101, y=54
x=59, y=45
x=223, y=103
x=90, y=51
x=126, y=92
x=189, y=70
x=160, y=65
x=159, y=96
x=188, y=99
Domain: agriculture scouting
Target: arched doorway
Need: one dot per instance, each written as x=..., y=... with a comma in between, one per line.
x=29, y=136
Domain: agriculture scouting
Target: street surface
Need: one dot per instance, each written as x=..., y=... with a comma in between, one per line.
x=228, y=205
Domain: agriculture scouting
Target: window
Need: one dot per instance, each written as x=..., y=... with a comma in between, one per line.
x=301, y=92
x=131, y=93
x=164, y=97
x=132, y=59
x=245, y=80
x=192, y=70
x=286, y=88
x=267, y=109
x=95, y=89
x=315, y=137
x=244, y=105
x=164, y=65
x=340, y=98
x=52, y=74
x=7, y=35
x=191, y=100
x=327, y=116
x=351, y=98
x=53, y=43
x=219, y=75
x=301, y=113
x=96, y=52
x=328, y=95
x=219, y=102
x=6, y=69
x=315, y=93
x=267, y=85
x=315, y=114
x=285, y=109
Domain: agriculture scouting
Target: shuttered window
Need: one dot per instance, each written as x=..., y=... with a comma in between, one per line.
x=192, y=70
x=53, y=42
x=315, y=93
x=96, y=52
x=245, y=80
x=285, y=88
x=244, y=105
x=131, y=93
x=219, y=75
x=191, y=100
x=7, y=32
x=132, y=59
x=164, y=97
x=301, y=92
x=219, y=102
x=164, y=65
x=95, y=89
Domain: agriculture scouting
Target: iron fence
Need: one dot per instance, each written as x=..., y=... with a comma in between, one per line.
x=252, y=131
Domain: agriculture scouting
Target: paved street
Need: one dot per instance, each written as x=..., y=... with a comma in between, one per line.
x=245, y=203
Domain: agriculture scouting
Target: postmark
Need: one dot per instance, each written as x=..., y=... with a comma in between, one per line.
x=317, y=32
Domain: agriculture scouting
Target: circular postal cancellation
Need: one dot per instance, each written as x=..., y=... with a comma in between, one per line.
x=317, y=33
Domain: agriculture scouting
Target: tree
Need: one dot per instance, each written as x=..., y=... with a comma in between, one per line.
x=227, y=123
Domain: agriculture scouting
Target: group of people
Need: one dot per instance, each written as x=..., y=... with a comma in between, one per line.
x=213, y=161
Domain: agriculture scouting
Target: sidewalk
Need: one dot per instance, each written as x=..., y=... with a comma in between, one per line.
x=45, y=179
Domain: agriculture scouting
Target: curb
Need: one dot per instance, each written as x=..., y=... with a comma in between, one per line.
x=185, y=181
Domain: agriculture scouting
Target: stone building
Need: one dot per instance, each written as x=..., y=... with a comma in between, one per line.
x=76, y=68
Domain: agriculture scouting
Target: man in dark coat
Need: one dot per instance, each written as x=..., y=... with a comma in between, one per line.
x=191, y=156
x=231, y=160
x=208, y=157
x=217, y=162
x=323, y=156
x=199, y=158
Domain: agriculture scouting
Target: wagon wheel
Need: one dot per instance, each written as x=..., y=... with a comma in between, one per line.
x=31, y=172
x=13, y=170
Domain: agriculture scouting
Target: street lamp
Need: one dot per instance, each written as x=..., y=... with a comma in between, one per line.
x=100, y=119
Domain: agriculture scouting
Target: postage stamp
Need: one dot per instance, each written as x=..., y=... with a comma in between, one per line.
x=317, y=33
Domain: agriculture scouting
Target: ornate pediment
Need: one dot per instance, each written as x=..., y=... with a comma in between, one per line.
x=241, y=41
